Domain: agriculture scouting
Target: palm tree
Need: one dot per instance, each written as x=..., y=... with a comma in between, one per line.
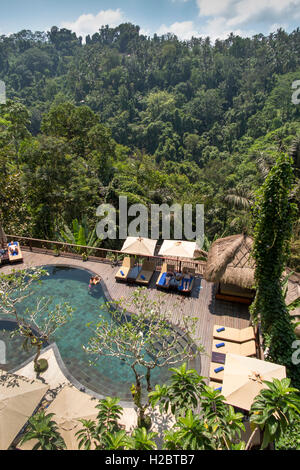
x=42, y=429
x=264, y=161
x=239, y=198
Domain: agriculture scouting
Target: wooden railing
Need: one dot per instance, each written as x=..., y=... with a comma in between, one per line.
x=102, y=255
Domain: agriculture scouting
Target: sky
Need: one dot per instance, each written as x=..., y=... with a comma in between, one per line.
x=185, y=18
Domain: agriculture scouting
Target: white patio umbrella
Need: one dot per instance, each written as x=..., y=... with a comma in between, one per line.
x=178, y=248
x=19, y=397
x=139, y=246
x=68, y=407
x=71, y=405
x=243, y=379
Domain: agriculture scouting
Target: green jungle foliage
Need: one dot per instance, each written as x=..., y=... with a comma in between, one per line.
x=155, y=119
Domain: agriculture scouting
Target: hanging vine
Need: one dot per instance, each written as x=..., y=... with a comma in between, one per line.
x=274, y=215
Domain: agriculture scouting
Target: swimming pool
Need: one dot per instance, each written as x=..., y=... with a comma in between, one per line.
x=110, y=376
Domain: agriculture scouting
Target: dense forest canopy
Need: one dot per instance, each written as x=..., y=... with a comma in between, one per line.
x=155, y=119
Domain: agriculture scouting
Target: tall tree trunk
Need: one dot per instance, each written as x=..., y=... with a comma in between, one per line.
x=36, y=363
x=148, y=376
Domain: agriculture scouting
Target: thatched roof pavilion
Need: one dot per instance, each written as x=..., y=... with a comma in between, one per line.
x=229, y=261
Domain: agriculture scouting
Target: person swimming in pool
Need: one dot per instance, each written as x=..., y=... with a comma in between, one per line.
x=97, y=279
x=94, y=281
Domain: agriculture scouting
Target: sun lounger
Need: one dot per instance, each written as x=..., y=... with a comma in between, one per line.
x=123, y=272
x=16, y=254
x=234, y=334
x=186, y=286
x=216, y=372
x=162, y=281
x=146, y=273
x=244, y=349
x=133, y=273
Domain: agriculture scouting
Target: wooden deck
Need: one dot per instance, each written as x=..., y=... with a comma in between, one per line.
x=200, y=304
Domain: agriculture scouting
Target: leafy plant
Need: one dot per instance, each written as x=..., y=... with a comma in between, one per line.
x=274, y=409
x=42, y=428
x=80, y=234
x=182, y=394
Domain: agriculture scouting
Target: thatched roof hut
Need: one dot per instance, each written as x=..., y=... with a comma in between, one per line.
x=229, y=261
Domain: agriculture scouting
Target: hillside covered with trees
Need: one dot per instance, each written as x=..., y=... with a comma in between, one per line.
x=155, y=119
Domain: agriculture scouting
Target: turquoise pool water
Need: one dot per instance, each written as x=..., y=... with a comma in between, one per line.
x=110, y=376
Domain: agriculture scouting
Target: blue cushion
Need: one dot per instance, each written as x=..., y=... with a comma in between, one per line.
x=220, y=329
x=122, y=273
x=219, y=369
x=143, y=277
x=187, y=283
x=220, y=345
x=162, y=280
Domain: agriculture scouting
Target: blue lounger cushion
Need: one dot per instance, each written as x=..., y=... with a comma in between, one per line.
x=162, y=280
x=219, y=369
x=186, y=281
x=220, y=345
x=220, y=329
x=143, y=277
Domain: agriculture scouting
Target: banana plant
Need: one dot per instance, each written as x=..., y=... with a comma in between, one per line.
x=79, y=234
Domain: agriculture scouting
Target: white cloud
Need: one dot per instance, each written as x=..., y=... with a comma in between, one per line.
x=183, y=29
x=90, y=24
x=213, y=7
x=146, y=32
x=243, y=16
x=218, y=28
